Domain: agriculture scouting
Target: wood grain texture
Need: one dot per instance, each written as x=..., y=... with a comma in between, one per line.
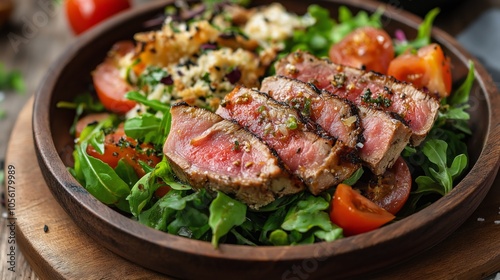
x=65, y=252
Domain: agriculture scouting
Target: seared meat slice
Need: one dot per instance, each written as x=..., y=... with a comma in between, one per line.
x=382, y=139
x=385, y=139
x=207, y=151
x=336, y=116
x=418, y=109
x=320, y=162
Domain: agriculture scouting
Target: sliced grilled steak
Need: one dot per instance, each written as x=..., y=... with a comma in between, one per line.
x=418, y=109
x=207, y=151
x=383, y=137
x=319, y=162
x=336, y=116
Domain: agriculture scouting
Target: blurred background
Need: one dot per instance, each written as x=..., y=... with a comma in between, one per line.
x=34, y=33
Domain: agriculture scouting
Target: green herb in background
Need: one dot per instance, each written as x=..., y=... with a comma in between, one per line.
x=423, y=37
x=12, y=80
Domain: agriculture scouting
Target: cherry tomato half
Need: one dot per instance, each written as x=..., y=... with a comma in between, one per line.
x=355, y=213
x=88, y=119
x=367, y=47
x=427, y=68
x=83, y=14
x=117, y=146
x=390, y=190
x=109, y=85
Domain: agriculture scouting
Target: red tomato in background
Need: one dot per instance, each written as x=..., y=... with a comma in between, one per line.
x=427, y=68
x=390, y=190
x=109, y=85
x=355, y=213
x=117, y=146
x=366, y=47
x=83, y=14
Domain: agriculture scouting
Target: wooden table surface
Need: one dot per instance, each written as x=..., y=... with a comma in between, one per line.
x=43, y=43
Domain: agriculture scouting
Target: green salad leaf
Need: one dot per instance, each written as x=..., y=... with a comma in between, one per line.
x=324, y=31
x=145, y=128
x=435, y=150
x=153, y=104
x=225, y=213
x=423, y=37
x=100, y=179
x=310, y=214
x=83, y=103
x=126, y=173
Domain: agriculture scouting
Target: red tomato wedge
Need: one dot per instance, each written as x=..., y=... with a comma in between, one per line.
x=355, y=213
x=428, y=68
x=109, y=85
x=390, y=190
x=88, y=119
x=117, y=146
x=366, y=47
x=83, y=14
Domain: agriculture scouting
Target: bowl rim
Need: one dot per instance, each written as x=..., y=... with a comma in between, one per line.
x=56, y=173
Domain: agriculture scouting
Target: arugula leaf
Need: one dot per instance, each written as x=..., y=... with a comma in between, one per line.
x=83, y=103
x=461, y=95
x=241, y=239
x=279, y=203
x=435, y=150
x=146, y=128
x=225, y=213
x=100, y=179
x=189, y=222
x=158, y=216
x=141, y=193
x=126, y=173
x=423, y=37
x=153, y=104
x=309, y=214
x=272, y=223
x=354, y=177
x=164, y=171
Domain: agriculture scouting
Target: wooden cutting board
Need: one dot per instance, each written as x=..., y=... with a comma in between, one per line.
x=63, y=251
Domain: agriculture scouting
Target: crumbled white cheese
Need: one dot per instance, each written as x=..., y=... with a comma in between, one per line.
x=273, y=23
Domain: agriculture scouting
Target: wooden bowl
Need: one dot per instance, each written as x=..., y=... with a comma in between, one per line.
x=185, y=258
